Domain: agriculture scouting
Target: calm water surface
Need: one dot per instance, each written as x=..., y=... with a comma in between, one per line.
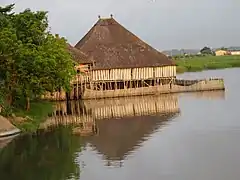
x=192, y=136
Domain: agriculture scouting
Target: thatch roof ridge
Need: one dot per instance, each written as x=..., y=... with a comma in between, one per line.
x=113, y=46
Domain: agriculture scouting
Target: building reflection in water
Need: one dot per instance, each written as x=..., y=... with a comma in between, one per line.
x=125, y=123
x=115, y=127
x=72, y=113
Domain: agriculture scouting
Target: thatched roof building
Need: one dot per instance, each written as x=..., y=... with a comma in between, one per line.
x=78, y=56
x=113, y=46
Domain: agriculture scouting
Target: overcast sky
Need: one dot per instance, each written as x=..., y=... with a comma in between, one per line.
x=164, y=24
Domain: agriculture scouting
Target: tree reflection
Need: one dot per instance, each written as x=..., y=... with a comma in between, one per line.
x=44, y=156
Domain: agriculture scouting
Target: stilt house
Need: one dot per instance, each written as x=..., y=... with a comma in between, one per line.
x=113, y=62
x=121, y=59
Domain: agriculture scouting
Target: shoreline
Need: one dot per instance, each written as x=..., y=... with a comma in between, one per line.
x=10, y=133
x=22, y=121
x=198, y=64
x=180, y=68
x=31, y=124
x=7, y=129
x=179, y=87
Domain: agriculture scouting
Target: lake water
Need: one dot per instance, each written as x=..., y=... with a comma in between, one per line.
x=191, y=136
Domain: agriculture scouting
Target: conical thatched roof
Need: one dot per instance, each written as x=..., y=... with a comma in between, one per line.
x=78, y=56
x=113, y=46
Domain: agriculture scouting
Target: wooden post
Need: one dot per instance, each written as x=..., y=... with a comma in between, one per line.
x=110, y=85
x=77, y=87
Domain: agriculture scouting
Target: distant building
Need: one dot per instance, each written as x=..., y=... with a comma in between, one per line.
x=221, y=52
x=236, y=52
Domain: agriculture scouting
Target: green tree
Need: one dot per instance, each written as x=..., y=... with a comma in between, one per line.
x=206, y=50
x=32, y=60
x=223, y=48
x=8, y=46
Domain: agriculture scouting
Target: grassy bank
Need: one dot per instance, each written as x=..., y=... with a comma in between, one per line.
x=29, y=121
x=38, y=113
x=195, y=64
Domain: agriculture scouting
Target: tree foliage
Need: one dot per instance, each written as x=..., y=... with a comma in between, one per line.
x=206, y=50
x=32, y=60
x=223, y=48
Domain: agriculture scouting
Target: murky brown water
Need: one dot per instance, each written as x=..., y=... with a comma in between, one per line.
x=191, y=136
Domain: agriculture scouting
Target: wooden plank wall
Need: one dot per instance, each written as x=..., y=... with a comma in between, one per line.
x=166, y=71
x=120, y=74
x=100, y=75
x=133, y=73
x=142, y=73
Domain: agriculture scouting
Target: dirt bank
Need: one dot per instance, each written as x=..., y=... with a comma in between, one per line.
x=6, y=128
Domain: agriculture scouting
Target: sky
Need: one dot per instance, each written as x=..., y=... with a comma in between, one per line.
x=164, y=24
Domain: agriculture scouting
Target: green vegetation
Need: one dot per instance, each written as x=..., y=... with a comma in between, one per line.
x=38, y=113
x=192, y=64
x=207, y=51
x=32, y=61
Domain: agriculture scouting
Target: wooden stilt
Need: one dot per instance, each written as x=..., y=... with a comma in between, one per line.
x=147, y=85
x=77, y=88
x=110, y=85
